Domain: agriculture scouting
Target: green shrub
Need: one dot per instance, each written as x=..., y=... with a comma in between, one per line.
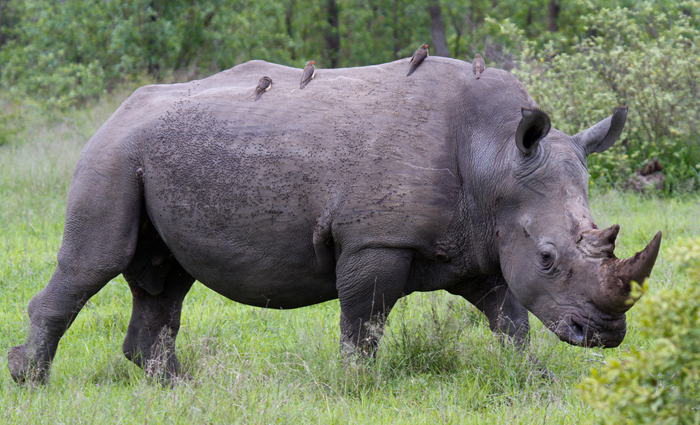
x=688, y=254
x=65, y=53
x=645, y=55
x=659, y=385
x=646, y=58
x=62, y=53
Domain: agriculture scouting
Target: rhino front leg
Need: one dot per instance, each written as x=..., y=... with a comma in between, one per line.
x=155, y=322
x=506, y=315
x=369, y=283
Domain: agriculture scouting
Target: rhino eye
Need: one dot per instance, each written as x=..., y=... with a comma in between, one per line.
x=546, y=259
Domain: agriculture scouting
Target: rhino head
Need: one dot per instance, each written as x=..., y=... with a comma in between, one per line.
x=556, y=261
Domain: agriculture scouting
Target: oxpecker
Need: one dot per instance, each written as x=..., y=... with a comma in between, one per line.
x=308, y=74
x=418, y=57
x=264, y=85
x=478, y=65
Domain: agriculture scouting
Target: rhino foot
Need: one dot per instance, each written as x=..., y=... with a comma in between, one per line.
x=25, y=369
x=167, y=376
x=541, y=370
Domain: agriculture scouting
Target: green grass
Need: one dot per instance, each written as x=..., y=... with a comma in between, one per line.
x=438, y=362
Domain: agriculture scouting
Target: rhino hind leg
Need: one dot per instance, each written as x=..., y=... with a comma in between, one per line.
x=369, y=284
x=98, y=243
x=158, y=285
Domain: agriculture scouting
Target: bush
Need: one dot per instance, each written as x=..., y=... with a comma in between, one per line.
x=62, y=53
x=646, y=58
x=660, y=385
x=65, y=53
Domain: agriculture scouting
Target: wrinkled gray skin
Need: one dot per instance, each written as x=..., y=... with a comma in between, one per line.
x=366, y=186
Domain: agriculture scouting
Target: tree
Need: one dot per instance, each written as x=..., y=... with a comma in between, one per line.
x=332, y=34
x=438, y=29
x=553, y=14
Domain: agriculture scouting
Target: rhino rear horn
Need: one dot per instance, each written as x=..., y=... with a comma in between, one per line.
x=533, y=127
x=597, y=243
x=604, y=134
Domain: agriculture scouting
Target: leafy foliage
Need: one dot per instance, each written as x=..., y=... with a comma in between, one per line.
x=688, y=255
x=646, y=58
x=659, y=385
x=579, y=63
x=63, y=53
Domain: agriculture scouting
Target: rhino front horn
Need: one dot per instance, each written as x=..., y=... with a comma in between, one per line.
x=639, y=266
x=616, y=299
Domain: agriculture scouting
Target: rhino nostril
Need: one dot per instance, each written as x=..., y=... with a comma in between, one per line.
x=576, y=335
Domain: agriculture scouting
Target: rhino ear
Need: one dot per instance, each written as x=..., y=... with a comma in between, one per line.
x=533, y=127
x=603, y=134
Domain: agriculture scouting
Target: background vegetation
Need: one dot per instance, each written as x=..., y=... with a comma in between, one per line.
x=579, y=58
x=647, y=58
x=66, y=66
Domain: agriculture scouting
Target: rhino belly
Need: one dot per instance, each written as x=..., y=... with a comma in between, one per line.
x=250, y=241
x=262, y=259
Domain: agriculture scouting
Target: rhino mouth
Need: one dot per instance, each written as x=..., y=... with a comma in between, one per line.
x=587, y=330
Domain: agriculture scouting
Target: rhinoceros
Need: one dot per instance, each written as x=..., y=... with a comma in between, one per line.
x=365, y=186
